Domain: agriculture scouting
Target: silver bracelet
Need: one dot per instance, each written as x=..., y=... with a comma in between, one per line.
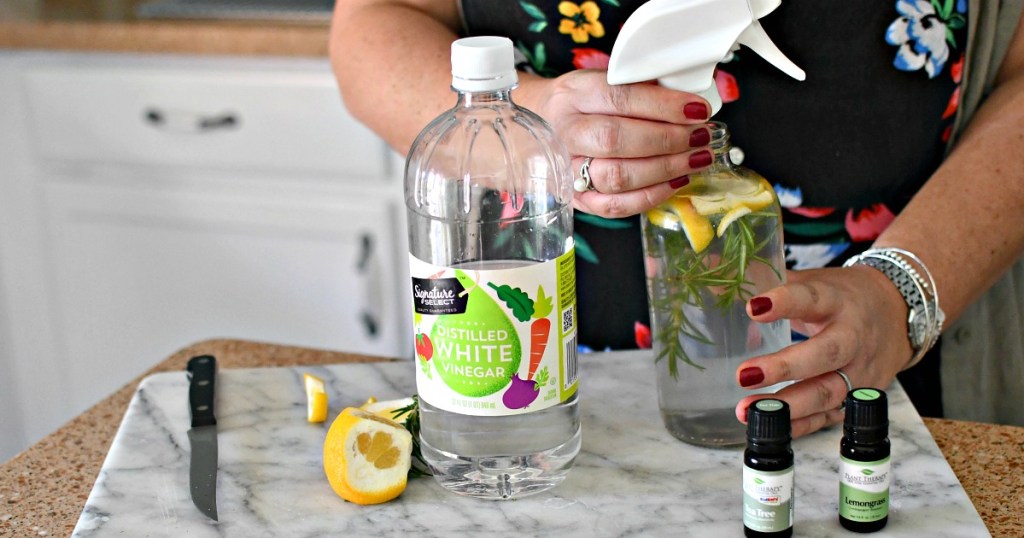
x=924, y=317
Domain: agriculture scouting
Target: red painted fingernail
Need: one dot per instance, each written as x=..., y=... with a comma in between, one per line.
x=751, y=376
x=695, y=111
x=700, y=138
x=760, y=305
x=700, y=159
x=679, y=182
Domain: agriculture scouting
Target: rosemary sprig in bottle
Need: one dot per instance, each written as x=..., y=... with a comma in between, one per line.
x=693, y=276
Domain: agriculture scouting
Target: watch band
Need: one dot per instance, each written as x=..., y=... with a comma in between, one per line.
x=917, y=313
x=924, y=317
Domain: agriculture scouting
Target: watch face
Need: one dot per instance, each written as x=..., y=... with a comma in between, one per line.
x=916, y=329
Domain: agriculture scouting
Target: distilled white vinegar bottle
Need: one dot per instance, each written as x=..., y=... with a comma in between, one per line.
x=488, y=189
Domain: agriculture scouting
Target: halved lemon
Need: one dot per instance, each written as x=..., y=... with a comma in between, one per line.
x=316, y=398
x=367, y=457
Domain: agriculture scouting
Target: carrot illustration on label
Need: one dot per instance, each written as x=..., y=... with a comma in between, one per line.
x=540, y=330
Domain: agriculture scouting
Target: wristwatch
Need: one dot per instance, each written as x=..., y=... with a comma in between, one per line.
x=911, y=285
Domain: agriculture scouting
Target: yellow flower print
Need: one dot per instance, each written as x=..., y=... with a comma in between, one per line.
x=582, y=20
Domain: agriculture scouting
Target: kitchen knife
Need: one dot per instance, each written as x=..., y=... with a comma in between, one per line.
x=202, y=473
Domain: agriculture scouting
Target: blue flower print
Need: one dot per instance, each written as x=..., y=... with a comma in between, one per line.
x=812, y=256
x=924, y=33
x=788, y=197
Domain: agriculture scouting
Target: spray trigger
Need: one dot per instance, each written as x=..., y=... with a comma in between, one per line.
x=679, y=43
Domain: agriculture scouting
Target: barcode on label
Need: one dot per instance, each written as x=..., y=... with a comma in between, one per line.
x=571, y=364
x=568, y=319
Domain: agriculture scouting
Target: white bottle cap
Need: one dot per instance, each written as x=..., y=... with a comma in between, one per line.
x=481, y=64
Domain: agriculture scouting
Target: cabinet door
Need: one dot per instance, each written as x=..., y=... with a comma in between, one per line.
x=140, y=273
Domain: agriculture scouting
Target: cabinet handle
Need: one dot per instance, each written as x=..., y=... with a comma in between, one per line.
x=365, y=252
x=365, y=266
x=179, y=121
x=369, y=324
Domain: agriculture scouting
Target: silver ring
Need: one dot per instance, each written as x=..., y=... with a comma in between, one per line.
x=849, y=386
x=583, y=183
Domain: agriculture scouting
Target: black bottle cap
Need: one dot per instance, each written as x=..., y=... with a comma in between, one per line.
x=768, y=422
x=867, y=413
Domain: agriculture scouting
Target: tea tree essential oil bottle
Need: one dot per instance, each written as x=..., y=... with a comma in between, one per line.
x=864, y=467
x=768, y=471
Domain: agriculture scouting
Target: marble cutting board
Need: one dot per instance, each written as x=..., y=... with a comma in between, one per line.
x=631, y=477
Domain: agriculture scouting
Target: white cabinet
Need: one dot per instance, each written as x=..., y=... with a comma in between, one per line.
x=149, y=202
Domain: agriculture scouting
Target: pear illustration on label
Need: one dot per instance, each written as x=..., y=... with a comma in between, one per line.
x=477, y=352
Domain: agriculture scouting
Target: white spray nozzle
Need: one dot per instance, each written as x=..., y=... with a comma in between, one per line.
x=679, y=42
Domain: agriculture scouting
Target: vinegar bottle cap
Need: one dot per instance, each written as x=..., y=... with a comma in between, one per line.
x=481, y=64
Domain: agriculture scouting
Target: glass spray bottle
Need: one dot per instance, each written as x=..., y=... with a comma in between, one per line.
x=711, y=247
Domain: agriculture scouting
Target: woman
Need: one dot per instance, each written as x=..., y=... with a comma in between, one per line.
x=862, y=141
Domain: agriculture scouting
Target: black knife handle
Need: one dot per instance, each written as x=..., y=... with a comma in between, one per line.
x=202, y=374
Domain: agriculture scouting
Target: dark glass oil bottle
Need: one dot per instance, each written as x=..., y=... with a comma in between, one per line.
x=864, y=467
x=768, y=471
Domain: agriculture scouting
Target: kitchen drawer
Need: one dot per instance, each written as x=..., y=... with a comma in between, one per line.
x=201, y=116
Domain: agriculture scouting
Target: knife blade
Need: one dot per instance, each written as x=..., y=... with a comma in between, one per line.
x=202, y=474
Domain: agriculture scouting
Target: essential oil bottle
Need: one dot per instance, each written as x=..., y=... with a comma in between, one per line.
x=768, y=471
x=864, y=467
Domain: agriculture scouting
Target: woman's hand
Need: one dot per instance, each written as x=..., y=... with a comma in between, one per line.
x=856, y=321
x=644, y=139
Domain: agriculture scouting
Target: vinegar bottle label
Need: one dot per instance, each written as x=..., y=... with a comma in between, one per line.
x=495, y=341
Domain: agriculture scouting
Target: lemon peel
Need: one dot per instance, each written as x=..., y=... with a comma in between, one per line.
x=730, y=217
x=727, y=201
x=697, y=228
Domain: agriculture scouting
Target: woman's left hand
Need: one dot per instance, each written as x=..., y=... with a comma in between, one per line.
x=856, y=321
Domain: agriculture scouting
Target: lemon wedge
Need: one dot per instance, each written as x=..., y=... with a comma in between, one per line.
x=367, y=457
x=387, y=408
x=316, y=398
x=697, y=228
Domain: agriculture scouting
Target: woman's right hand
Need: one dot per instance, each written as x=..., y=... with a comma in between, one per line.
x=644, y=139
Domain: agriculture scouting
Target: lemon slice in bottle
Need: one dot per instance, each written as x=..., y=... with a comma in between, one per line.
x=698, y=228
x=730, y=194
x=731, y=216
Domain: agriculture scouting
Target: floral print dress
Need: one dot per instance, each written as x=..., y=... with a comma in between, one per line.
x=846, y=149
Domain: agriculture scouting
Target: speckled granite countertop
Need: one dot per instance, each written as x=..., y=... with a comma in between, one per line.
x=43, y=490
x=111, y=26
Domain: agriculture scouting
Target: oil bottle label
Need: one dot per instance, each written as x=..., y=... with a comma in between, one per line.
x=767, y=499
x=495, y=342
x=864, y=489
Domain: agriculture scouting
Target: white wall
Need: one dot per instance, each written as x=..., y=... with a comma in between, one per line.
x=12, y=433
